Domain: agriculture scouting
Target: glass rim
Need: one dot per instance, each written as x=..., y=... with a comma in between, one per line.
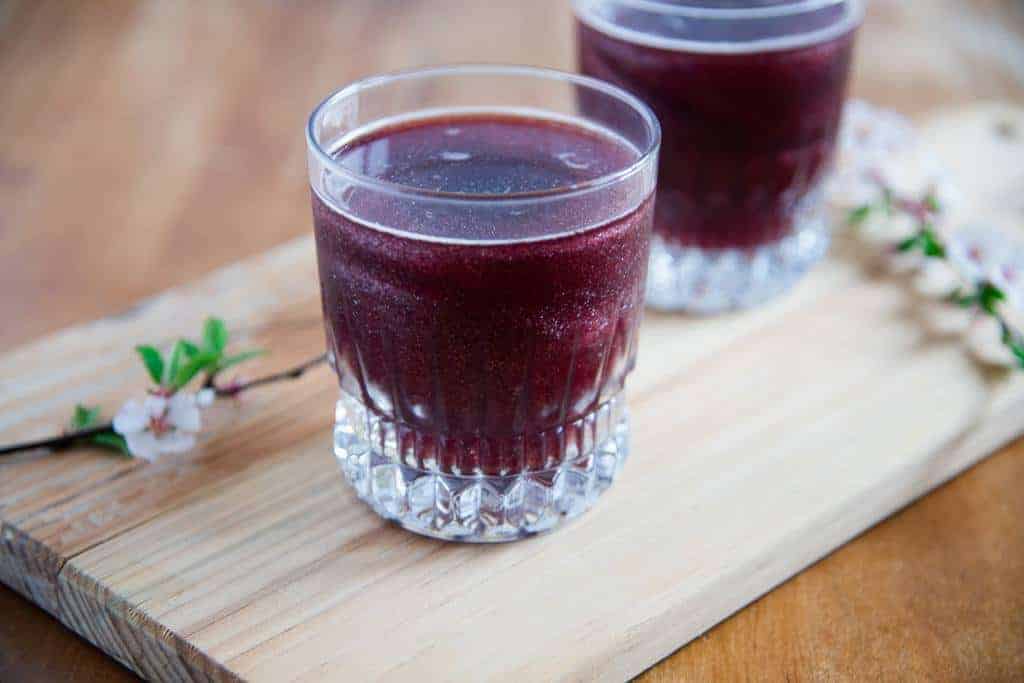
x=854, y=18
x=643, y=159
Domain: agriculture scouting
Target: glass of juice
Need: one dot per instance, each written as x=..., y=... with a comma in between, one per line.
x=749, y=94
x=482, y=246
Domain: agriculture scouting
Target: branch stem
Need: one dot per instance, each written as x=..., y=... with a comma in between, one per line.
x=69, y=439
x=296, y=372
x=58, y=442
x=985, y=295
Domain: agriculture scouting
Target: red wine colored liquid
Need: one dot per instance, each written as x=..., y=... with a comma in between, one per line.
x=482, y=354
x=746, y=136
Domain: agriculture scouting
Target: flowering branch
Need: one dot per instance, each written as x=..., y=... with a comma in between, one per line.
x=168, y=418
x=980, y=294
x=235, y=388
x=82, y=436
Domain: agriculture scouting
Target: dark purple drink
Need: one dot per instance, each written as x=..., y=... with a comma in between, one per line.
x=480, y=353
x=482, y=287
x=749, y=95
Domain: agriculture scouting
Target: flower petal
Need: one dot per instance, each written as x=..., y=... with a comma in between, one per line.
x=131, y=418
x=143, y=445
x=937, y=279
x=155, y=405
x=205, y=397
x=880, y=229
x=183, y=413
x=980, y=254
x=869, y=138
x=942, y=318
x=985, y=343
x=176, y=442
x=904, y=262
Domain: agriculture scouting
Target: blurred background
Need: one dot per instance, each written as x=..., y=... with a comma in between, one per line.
x=143, y=144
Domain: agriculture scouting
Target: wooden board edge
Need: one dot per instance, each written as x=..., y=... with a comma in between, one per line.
x=29, y=567
x=89, y=609
x=130, y=636
x=659, y=637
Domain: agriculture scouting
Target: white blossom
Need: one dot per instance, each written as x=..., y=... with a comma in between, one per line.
x=984, y=340
x=879, y=147
x=902, y=263
x=879, y=151
x=160, y=424
x=942, y=318
x=992, y=256
x=938, y=279
x=869, y=139
x=880, y=229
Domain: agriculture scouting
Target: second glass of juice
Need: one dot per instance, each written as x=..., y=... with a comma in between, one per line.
x=749, y=94
x=482, y=247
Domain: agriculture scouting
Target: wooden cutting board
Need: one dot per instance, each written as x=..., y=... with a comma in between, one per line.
x=762, y=441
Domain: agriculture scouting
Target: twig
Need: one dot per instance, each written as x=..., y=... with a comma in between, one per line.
x=985, y=296
x=58, y=442
x=232, y=390
x=69, y=439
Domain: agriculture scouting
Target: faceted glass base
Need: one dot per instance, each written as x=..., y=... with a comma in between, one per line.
x=707, y=281
x=479, y=508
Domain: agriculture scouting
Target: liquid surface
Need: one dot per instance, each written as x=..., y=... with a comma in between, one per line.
x=747, y=137
x=453, y=170
x=700, y=26
x=483, y=356
x=486, y=156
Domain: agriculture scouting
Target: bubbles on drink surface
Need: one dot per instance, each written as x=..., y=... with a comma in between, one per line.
x=494, y=155
x=572, y=160
x=474, y=156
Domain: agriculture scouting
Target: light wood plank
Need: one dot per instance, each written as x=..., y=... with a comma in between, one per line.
x=251, y=558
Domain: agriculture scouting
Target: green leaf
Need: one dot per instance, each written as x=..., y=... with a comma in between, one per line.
x=888, y=201
x=190, y=348
x=215, y=335
x=1018, y=350
x=111, y=441
x=930, y=244
x=859, y=215
x=1007, y=333
x=909, y=244
x=179, y=356
x=153, y=361
x=989, y=297
x=240, y=358
x=1013, y=341
x=205, y=360
x=85, y=416
x=962, y=300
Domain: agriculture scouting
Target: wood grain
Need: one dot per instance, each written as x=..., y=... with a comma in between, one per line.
x=133, y=131
x=248, y=558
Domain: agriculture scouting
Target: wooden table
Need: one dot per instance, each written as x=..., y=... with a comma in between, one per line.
x=143, y=144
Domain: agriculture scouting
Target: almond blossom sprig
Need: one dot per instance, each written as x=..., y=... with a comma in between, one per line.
x=898, y=194
x=168, y=418
x=159, y=424
x=962, y=278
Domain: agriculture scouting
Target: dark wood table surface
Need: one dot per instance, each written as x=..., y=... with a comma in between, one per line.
x=143, y=144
